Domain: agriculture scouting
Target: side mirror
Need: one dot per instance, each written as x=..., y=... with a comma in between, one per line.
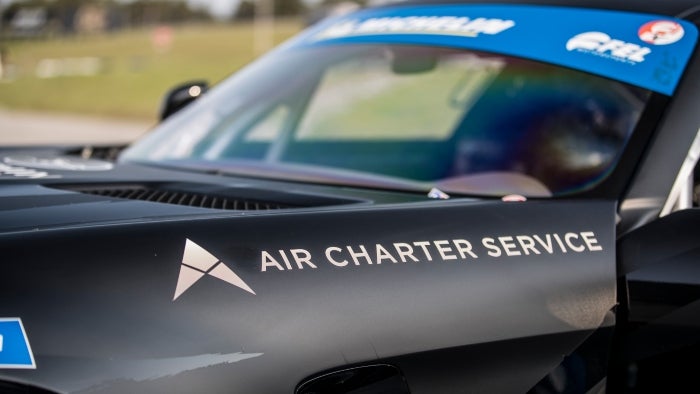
x=180, y=96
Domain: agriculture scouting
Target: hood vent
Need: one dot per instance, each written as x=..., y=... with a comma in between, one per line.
x=186, y=198
x=226, y=199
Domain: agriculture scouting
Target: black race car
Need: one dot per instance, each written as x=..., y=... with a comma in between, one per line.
x=424, y=198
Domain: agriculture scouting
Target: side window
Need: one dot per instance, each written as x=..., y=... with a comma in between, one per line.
x=685, y=193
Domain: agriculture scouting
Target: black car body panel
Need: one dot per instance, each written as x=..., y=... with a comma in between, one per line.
x=212, y=257
x=388, y=281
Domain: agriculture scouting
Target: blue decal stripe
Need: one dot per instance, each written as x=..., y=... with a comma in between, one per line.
x=15, y=351
x=645, y=50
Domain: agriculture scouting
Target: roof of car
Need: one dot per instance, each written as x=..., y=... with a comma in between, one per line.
x=677, y=8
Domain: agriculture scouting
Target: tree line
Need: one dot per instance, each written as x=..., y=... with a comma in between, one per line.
x=50, y=17
x=62, y=16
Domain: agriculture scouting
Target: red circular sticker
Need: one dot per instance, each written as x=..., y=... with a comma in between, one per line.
x=661, y=32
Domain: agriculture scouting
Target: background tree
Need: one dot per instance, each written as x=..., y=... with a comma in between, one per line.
x=246, y=8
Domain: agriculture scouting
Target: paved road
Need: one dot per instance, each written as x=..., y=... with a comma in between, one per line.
x=30, y=128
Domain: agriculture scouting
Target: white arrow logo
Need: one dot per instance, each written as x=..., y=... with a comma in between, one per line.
x=197, y=262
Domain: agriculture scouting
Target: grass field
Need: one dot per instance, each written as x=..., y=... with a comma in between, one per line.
x=132, y=75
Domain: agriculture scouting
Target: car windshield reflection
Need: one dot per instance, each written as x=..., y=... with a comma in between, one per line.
x=407, y=115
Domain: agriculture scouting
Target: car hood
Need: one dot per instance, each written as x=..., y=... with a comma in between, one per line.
x=45, y=190
x=119, y=294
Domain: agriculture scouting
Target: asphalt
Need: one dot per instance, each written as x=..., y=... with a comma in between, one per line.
x=35, y=128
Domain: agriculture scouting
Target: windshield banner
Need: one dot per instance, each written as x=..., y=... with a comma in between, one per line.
x=648, y=51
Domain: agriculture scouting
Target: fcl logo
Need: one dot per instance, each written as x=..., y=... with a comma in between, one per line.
x=661, y=32
x=197, y=262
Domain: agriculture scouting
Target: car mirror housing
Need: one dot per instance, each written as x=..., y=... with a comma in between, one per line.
x=180, y=96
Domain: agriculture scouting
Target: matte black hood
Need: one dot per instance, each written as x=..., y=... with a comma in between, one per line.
x=119, y=295
x=40, y=190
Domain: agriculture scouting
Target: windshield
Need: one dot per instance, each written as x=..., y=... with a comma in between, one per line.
x=406, y=116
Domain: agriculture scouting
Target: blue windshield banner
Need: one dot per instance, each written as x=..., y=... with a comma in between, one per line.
x=648, y=51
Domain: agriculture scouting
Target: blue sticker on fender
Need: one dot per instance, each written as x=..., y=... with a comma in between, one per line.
x=15, y=351
x=645, y=50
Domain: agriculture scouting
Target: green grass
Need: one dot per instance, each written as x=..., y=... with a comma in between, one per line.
x=134, y=76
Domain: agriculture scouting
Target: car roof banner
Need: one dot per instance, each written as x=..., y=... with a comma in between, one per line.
x=648, y=51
